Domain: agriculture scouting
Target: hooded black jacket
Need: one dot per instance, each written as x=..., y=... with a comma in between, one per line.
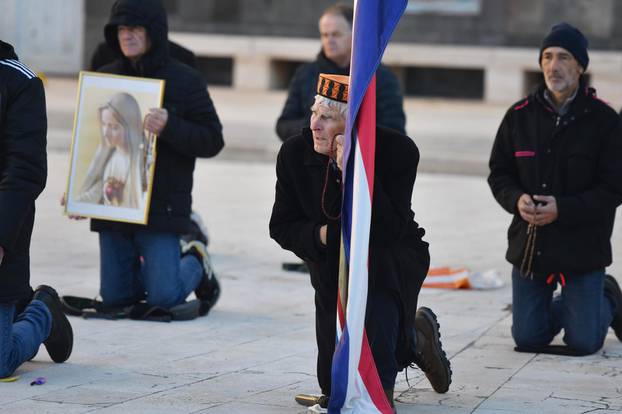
x=23, y=169
x=302, y=90
x=577, y=158
x=193, y=128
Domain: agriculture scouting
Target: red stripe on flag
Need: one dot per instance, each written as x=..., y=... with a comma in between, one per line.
x=369, y=375
x=366, y=132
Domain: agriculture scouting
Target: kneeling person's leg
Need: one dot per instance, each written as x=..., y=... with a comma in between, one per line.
x=533, y=324
x=586, y=312
x=382, y=325
x=120, y=283
x=21, y=339
x=166, y=284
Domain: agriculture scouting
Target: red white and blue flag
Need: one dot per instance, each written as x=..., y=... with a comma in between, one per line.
x=356, y=386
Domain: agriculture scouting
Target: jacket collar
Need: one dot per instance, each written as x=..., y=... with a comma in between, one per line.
x=325, y=65
x=6, y=51
x=579, y=104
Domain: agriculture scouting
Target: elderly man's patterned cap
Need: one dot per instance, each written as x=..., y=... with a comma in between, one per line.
x=333, y=87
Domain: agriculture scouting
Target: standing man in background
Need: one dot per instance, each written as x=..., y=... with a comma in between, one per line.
x=335, y=27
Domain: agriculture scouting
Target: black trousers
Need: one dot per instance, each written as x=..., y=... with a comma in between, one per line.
x=382, y=324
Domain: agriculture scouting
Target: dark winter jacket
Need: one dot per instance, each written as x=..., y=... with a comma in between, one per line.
x=302, y=90
x=577, y=158
x=399, y=257
x=23, y=169
x=193, y=128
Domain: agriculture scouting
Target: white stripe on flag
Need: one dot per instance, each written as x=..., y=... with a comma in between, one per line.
x=357, y=398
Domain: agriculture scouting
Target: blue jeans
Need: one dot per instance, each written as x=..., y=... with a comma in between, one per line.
x=20, y=338
x=145, y=265
x=582, y=311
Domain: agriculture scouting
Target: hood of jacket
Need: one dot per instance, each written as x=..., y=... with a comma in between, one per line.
x=149, y=14
x=6, y=51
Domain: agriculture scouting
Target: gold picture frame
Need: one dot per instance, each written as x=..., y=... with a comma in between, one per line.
x=113, y=158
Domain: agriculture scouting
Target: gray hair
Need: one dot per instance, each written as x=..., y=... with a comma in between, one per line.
x=340, y=107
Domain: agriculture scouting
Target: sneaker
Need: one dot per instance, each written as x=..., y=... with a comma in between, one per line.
x=198, y=230
x=612, y=290
x=429, y=354
x=208, y=290
x=60, y=342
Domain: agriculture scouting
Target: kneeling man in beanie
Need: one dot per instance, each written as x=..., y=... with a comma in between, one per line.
x=306, y=220
x=556, y=165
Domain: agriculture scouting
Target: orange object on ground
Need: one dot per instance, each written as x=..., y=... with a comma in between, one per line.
x=447, y=278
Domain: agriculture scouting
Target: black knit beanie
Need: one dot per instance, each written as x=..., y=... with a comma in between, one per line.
x=570, y=38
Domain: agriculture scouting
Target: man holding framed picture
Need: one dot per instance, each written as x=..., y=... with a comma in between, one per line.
x=146, y=262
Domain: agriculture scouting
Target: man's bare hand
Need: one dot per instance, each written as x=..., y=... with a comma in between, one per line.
x=339, y=150
x=156, y=120
x=527, y=208
x=546, y=213
x=323, y=234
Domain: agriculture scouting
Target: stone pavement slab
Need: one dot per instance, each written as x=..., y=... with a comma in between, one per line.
x=256, y=349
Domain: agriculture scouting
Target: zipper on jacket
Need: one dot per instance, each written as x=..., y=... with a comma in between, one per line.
x=557, y=121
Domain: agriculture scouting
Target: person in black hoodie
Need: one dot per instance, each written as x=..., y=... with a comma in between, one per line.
x=335, y=27
x=306, y=221
x=26, y=319
x=149, y=262
x=556, y=167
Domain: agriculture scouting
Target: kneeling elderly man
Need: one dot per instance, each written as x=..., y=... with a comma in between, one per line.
x=306, y=220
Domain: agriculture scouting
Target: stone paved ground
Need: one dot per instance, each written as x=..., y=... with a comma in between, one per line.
x=256, y=349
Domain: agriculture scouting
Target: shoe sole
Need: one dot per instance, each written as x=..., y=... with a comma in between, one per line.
x=66, y=328
x=206, y=306
x=438, y=346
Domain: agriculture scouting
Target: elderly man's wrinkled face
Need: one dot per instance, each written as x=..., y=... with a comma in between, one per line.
x=133, y=41
x=561, y=70
x=336, y=37
x=326, y=123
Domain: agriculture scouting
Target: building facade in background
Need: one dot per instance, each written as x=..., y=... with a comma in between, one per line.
x=466, y=49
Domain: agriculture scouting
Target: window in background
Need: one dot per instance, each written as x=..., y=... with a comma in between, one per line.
x=467, y=7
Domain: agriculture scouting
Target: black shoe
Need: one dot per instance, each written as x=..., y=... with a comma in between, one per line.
x=198, y=230
x=208, y=290
x=60, y=342
x=429, y=354
x=612, y=289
